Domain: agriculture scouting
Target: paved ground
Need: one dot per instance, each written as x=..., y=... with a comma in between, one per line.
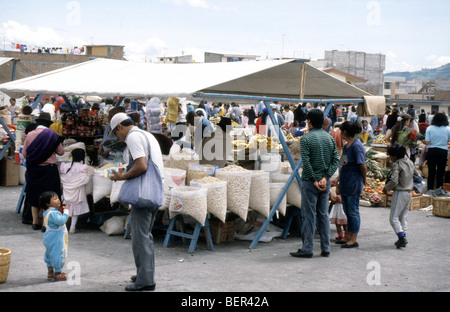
x=105, y=263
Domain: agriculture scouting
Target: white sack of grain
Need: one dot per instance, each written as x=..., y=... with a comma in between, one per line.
x=191, y=201
x=275, y=191
x=198, y=171
x=115, y=191
x=172, y=178
x=216, y=197
x=238, y=188
x=293, y=194
x=260, y=192
x=89, y=187
x=102, y=186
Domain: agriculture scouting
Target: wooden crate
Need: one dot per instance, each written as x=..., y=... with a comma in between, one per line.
x=425, y=201
x=388, y=200
x=415, y=203
x=222, y=232
x=441, y=206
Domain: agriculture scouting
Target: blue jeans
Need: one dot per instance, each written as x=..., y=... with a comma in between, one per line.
x=350, y=204
x=315, y=202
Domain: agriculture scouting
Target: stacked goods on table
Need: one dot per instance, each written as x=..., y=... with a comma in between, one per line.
x=373, y=194
x=198, y=171
x=232, y=189
x=182, y=158
x=260, y=142
x=373, y=166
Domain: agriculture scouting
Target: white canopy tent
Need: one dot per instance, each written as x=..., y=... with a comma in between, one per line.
x=105, y=77
x=11, y=69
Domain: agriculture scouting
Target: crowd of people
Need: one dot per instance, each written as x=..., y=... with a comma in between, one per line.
x=329, y=144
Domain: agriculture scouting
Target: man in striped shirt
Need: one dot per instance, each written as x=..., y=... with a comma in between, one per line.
x=320, y=161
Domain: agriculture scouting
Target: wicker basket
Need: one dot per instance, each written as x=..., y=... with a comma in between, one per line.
x=441, y=206
x=5, y=259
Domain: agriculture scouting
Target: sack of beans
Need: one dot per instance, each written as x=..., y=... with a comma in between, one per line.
x=238, y=188
x=198, y=171
x=190, y=201
x=172, y=178
x=260, y=192
x=275, y=191
x=216, y=196
x=294, y=193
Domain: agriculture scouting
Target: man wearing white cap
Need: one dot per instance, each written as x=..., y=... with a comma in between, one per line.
x=141, y=218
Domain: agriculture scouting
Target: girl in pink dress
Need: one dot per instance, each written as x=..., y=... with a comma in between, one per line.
x=74, y=177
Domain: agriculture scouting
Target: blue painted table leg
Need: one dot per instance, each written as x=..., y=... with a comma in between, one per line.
x=127, y=229
x=21, y=198
x=208, y=234
x=194, y=238
x=169, y=232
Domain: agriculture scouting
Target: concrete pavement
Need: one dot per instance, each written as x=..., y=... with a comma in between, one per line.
x=101, y=263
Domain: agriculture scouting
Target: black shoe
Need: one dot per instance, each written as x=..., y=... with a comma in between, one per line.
x=133, y=278
x=301, y=254
x=401, y=242
x=325, y=253
x=36, y=227
x=340, y=242
x=354, y=245
x=133, y=287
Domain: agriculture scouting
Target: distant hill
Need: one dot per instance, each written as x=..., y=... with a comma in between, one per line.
x=426, y=73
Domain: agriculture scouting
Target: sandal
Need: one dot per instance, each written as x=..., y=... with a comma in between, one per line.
x=60, y=277
x=50, y=276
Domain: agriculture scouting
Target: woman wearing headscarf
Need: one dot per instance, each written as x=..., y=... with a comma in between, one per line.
x=40, y=149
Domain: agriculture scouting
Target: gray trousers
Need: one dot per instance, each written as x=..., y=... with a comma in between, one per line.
x=399, y=211
x=315, y=204
x=142, y=220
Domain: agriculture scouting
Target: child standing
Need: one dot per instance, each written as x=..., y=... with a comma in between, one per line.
x=401, y=181
x=55, y=237
x=74, y=177
x=337, y=214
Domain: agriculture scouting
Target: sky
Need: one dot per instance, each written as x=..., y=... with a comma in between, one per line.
x=413, y=34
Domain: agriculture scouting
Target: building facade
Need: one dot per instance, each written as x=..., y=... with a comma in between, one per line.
x=360, y=64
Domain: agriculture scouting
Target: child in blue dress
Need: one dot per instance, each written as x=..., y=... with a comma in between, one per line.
x=55, y=237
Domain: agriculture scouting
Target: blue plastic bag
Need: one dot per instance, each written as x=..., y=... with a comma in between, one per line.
x=146, y=190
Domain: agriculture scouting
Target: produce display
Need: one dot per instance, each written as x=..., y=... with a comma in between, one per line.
x=380, y=139
x=373, y=169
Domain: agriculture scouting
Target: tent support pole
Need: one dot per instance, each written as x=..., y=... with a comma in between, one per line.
x=295, y=167
x=119, y=101
x=13, y=77
x=294, y=174
x=302, y=82
x=36, y=102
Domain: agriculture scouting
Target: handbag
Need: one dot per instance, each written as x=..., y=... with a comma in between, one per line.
x=146, y=190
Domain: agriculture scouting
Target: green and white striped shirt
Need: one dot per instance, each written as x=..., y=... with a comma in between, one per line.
x=319, y=155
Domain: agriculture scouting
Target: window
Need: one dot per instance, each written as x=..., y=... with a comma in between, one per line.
x=387, y=85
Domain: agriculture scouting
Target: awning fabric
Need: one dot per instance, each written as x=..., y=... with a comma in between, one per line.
x=6, y=71
x=106, y=77
x=372, y=106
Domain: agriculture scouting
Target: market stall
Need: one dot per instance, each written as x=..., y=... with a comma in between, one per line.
x=288, y=80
